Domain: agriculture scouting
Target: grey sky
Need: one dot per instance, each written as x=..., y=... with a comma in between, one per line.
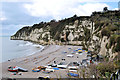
x=18, y=14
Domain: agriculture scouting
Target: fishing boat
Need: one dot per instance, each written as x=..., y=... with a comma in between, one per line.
x=16, y=68
x=22, y=69
x=73, y=65
x=69, y=55
x=36, y=70
x=62, y=65
x=12, y=69
x=73, y=74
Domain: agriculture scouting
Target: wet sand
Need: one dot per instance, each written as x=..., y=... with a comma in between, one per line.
x=43, y=58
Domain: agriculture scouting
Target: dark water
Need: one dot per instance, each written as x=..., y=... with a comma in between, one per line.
x=17, y=48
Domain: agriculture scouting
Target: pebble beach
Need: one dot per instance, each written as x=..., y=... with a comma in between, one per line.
x=44, y=57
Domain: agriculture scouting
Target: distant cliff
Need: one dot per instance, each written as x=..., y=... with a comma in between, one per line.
x=99, y=32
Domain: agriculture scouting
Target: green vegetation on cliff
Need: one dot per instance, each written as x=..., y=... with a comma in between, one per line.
x=87, y=31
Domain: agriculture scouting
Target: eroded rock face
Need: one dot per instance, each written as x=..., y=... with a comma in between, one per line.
x=84, y=31
x=103, y=49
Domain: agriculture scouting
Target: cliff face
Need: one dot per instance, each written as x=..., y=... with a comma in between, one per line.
x=98, y=32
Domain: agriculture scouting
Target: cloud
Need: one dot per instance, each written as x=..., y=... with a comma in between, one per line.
x=51, y=0
x=3, y=18
x=98, y=0
x=2, y=15
x=62, y=8
x=88, y=8
x=116, y=9
x=14, y=13
x=29, y=12
x=54, y=8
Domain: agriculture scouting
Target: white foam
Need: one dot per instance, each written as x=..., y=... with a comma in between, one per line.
x=29, y=43
x=25, y=43
x=41, y=48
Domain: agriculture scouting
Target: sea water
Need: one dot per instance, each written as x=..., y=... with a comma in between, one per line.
x=11, y=49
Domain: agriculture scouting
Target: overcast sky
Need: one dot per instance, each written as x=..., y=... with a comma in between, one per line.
x=18, y=13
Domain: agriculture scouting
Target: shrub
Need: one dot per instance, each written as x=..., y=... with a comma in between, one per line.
x=115, y=39
x=112, y=40
x=105, y=32
x=106, y=67
x=117, y=48
x=81, y=38
x=114, y=28
x=62, y=40
x=107, y=47
x=45, y=38
x=93, y=70
x=87, y=34
x=117, y=63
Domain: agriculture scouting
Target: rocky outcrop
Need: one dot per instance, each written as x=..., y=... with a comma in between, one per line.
x=92, y=32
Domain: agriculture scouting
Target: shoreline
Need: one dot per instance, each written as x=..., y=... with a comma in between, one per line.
x=24, y=56
x=20, y=58
x=20, y=44
x=41, y=58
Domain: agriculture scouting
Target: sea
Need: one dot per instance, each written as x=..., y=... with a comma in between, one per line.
x=11, y=49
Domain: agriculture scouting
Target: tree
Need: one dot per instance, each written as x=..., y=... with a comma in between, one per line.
x=75, y=15
x=53, y=20
x=105, y=9
x=117, y=48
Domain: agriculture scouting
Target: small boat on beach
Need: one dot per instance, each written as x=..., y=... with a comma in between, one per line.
x=41, y=67
x=62, y=65
x=49, y=69
x=13, y=70
x=22, y=69
x=45, y=71
x=16, y=69
x=38, y=68
x=35, y=70
x=73, y=74
x=73, y=65
x=69, y=55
